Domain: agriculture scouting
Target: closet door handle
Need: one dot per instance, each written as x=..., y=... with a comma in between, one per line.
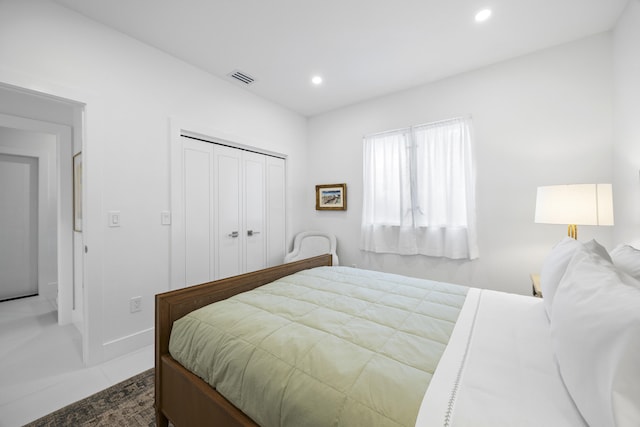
x=251, y=232
x=234, y=234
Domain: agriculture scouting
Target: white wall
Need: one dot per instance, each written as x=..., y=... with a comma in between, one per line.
x=540, y=119
x=626, y=150
x=131, y=91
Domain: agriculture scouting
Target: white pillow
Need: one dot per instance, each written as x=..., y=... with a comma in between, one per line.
x=553, y=268
x=634, y=244
x=555, y=265
x=595, y=331
x=627, y=259
x=596, y=248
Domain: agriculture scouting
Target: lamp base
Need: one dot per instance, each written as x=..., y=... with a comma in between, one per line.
x=573, y=231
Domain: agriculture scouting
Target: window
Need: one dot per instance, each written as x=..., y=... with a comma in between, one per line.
x=419, y=191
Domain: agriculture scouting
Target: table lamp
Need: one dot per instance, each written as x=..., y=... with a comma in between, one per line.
x=575, y=204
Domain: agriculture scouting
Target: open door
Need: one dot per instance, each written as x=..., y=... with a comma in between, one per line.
x=18, y=225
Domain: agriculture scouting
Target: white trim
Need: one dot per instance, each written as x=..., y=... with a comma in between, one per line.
x=127, y=344
x=219, y=137
x=176, y=199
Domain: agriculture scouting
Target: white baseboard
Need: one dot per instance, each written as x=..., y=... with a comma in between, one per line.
x=121, y=346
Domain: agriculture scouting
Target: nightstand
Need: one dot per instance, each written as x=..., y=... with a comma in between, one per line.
x=535, y=285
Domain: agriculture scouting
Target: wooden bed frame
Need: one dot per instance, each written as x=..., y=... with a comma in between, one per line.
x=182, y=397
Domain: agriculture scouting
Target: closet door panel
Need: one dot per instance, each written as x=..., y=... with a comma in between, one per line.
x=254, y=211
x=228, y=211
x=275, y=211
x=198, y=212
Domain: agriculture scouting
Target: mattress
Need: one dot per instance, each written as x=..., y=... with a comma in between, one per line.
x=327, y=346
x=499, y=369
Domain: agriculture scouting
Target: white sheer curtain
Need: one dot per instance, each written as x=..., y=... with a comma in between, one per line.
x=419, y=191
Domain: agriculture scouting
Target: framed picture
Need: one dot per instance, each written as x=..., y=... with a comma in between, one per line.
x=332, y=197
x=77, y=192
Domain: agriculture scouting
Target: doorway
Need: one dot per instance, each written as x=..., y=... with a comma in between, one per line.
x=57, y=115
x=49, y=198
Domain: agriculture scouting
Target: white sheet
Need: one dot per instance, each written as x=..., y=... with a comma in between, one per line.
x=499, y=369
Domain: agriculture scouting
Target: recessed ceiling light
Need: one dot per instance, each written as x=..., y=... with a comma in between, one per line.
x=483, y=15
x=316, y=80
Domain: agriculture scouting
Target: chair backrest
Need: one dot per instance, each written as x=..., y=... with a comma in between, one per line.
x=311, y=243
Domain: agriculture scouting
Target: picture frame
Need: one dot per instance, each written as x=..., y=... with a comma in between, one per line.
x=331, y=197
x=77, y=192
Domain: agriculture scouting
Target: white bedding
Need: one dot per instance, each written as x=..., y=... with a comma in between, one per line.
x=499, y=369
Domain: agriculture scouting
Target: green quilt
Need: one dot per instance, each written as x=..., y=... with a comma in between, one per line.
x=330, y=346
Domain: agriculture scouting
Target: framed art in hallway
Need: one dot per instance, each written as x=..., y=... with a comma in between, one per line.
x=331, y=197
x=77, y=192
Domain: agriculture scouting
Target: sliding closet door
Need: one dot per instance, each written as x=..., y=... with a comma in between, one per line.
x=227, y=191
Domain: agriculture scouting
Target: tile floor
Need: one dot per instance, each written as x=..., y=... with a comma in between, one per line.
x=41, y=367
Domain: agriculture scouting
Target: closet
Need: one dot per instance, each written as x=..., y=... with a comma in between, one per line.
x=232, y=211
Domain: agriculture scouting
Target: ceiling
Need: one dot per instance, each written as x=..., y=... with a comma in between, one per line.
x=362, y=48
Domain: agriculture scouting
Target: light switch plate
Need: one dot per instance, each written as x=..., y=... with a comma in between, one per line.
x=114, y=218
x=165, y=218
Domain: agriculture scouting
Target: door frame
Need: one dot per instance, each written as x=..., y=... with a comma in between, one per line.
x=84, y=105
x=61, y=172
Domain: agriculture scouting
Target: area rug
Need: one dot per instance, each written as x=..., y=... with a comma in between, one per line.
x=129, y=403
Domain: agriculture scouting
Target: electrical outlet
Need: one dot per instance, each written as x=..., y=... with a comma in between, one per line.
x=135, y=304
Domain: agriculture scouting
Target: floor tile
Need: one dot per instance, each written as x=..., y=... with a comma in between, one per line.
x=41, y=368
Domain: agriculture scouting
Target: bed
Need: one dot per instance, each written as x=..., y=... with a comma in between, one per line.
x=490, y=358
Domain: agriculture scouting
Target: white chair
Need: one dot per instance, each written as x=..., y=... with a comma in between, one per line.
x=308, y=244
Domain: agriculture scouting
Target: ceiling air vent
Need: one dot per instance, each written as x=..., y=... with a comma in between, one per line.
x=242, y=77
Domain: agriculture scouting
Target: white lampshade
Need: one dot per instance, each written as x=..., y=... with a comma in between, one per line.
x=579, y=204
